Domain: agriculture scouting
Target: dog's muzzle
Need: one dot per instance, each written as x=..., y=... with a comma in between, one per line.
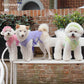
x=8, y=33
x=73, y=35
x=22, y=35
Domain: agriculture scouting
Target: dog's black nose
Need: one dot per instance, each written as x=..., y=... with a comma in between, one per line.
x=8, y=33
x=22, y=35
x=72, y=34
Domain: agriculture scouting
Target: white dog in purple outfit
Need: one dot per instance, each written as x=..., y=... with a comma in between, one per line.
x=29, y=38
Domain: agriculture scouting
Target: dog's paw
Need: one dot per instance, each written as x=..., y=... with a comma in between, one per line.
x=78, y=59
x=43, y=58
x=28, y=60
x=66, y=59
x=58, y=59
x=49, y=58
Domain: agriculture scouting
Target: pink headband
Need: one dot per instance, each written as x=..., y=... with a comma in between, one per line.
x=6, y=27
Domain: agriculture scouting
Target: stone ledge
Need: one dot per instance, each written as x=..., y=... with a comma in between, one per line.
x=49, y=62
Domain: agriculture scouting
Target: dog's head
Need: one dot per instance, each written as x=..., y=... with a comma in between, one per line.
x=7, y=31
x=21, y=31
x=73, y=30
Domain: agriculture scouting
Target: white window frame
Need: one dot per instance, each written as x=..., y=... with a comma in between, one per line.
x=55, y=4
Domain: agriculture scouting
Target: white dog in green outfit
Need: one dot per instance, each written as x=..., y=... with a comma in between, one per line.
x=69, y=40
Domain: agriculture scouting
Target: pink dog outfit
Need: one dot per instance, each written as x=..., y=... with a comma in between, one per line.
x=6, y=27
x=12, y=38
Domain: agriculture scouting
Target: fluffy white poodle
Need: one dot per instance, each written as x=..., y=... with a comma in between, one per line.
x=68, y=40
x=11, y=42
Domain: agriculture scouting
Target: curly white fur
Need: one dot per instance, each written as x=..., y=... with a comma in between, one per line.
x=8, y=32
x=69, y=40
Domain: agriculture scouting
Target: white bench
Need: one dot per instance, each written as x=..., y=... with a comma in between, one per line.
x=44, y=61
x=1, y=73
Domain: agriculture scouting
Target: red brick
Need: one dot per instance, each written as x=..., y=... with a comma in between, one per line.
x=31, y=12
x=35, y=12
x=43, y=13
x=38, y=11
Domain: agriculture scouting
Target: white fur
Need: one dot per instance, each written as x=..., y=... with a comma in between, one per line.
x=47, y=41
x=62, y=43
x=13, y=49
x=22, y=34
x=43, y=27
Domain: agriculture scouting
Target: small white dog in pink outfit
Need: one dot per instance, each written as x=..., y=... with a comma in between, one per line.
x=11, y=42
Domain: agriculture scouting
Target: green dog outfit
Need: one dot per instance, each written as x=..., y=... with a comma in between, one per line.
x=73, y=43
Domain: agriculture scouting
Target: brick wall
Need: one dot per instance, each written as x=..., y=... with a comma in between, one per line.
x=44, y=16
x=50, y=74
x=1, y=6
x=70, y=3
x=12, y=7
x=45, y=3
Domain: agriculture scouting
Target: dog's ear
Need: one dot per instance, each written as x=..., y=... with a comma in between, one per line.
x=27, y=27
x=2, y=33
x=17, y=26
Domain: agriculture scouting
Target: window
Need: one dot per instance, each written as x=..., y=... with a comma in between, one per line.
x=31, y=6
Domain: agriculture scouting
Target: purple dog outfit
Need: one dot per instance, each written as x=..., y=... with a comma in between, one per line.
x=33, y=35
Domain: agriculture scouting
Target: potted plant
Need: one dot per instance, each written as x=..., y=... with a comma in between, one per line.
x=61, y=21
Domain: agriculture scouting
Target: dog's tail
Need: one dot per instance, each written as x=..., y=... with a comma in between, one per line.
x=43, y=27
x=60, y=33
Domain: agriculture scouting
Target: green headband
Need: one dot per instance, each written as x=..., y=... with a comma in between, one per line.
x=75, y=26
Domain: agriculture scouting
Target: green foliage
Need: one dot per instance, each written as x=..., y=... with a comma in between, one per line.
x=61, y=21
x=11, y=20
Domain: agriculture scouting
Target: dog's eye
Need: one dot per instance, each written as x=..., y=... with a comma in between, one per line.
x=6, y=31
x=70, y=31
x=75, y=31
x=10, y=31
x=20, y=30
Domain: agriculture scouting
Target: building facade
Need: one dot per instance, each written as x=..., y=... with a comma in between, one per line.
x=39, y=4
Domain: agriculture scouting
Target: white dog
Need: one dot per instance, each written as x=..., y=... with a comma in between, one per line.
x=22, y=34
x=29, y=38
x=11, y=42
x=69, y=40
